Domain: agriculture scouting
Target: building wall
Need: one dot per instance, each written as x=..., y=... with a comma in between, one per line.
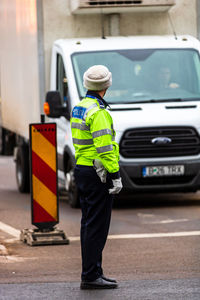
x=183, y=16
x=58, y=22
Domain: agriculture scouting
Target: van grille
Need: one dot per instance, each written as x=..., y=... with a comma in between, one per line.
x=137, y=142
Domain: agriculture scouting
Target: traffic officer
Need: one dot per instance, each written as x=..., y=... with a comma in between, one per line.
x=96, y=173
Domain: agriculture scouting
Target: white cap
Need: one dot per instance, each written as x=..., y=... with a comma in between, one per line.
x=97, y=78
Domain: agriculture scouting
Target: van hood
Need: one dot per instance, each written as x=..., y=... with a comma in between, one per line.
x=156, y=114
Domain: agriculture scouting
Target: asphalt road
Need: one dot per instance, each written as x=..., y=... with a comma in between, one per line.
x=153, y=249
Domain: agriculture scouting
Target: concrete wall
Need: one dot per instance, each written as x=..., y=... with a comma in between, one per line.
x=58, y=23
x=183, y=16
x=198, y=18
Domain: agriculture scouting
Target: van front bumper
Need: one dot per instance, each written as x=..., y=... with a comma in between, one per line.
x=133, y=179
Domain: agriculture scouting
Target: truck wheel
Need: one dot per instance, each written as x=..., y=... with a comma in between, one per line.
x=22, y=169
x=71, y=188
x=10, y=142
x=2, y=141
x=7, y=142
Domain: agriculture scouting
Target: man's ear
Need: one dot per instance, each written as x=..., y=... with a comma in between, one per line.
x=104, y=92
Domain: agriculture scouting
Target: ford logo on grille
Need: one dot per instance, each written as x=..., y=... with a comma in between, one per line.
x=161, y=141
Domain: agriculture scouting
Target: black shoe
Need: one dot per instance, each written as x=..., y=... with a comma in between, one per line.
x=99, y=283
x=108, y=279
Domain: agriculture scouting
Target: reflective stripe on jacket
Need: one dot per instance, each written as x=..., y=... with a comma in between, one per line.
x=93, y=134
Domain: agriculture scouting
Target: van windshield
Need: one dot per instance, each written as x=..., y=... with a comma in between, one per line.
x=144, y=75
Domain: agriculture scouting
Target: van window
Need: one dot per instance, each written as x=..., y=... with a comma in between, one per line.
x=141, y=75
x=61, y=79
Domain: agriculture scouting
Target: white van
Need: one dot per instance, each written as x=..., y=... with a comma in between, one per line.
x=154, y=101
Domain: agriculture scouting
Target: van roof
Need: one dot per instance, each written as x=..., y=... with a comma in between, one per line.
x=128, y=42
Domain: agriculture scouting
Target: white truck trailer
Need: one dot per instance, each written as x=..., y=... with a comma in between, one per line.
x=154, y=101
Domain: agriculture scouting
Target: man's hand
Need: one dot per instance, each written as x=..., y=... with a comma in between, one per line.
x=117, y=186
x=101, y=171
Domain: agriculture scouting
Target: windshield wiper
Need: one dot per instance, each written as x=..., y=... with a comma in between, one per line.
x=165, y=100
x=152, y=101
x=191, y=99
x=162, y=100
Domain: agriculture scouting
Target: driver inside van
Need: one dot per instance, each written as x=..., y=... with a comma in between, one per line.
x=163, y=79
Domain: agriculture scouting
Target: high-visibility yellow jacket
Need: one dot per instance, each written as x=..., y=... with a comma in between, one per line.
x=93, y=134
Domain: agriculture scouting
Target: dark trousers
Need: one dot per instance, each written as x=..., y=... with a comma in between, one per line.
x=96, y=205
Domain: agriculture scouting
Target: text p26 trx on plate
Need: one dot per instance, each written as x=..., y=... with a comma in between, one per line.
x=170, y=170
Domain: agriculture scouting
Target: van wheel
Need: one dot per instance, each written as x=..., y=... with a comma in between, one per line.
x=72, y=190
x=22, y=169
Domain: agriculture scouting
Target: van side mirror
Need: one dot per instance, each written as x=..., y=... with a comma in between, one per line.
x=53, y=106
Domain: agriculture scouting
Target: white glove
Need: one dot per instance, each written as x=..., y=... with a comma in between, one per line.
x=117, y=186
x=101, y=171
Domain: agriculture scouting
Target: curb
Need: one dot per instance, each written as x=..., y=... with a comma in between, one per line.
x=3, y=250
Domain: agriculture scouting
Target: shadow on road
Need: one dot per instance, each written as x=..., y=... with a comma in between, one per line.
x=125, y=201
x=156, y=200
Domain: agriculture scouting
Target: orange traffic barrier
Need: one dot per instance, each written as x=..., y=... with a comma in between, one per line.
x=44, y=187
x=44, y=175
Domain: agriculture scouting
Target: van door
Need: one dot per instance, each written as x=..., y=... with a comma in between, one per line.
x=64, y=141
x=62, y=87
x=59, y=82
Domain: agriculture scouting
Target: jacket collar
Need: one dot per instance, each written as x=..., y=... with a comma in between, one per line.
x=102, y=102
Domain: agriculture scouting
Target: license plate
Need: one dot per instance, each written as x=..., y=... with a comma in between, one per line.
x=173, y=170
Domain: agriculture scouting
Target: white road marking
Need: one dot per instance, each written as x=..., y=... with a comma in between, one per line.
x=3, y=250
x=74, y=238
x=156, y=219
x=168, y=221
x=146, y=235
x=145, y=215
x=10, y=230
x=154, y=235
x=10, y=241
x=16, y=233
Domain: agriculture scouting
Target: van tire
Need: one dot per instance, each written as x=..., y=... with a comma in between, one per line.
x=22, y=169
x=73, y=192
x=71, y=188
